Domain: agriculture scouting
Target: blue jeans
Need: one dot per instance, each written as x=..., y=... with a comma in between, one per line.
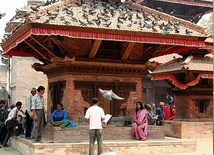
x=93, y=135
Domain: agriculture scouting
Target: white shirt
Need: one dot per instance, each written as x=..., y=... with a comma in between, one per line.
x=13, y=113
x=29, y=103
x=95, y=114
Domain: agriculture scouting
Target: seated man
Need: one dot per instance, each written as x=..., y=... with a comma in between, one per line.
x=160, y=113
x=12, y=124
x=59, y=116
x=151, y=116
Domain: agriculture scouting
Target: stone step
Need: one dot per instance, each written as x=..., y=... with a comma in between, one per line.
x=129, y=147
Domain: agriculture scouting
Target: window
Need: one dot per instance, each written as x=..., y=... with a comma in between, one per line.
x=202, y=106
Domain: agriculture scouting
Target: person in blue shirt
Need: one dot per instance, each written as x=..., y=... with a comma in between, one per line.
x=59, y=116
x=160, y=113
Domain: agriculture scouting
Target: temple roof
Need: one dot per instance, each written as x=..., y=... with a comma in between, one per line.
x=59, y=23
x=129, y=17
x=205, y=3
x=190, y=64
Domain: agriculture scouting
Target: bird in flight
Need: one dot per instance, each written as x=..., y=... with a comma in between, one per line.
x=109, y=95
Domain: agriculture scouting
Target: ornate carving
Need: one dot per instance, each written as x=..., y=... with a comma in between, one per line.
x=56, y=92
x=87, y=95
x=92, y=69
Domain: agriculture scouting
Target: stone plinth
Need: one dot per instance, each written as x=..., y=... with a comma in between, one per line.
x=129, y=147
x=181, y=129
x=111, y=132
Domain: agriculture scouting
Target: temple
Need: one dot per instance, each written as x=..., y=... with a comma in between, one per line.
x=88, y=46
x=83, y=46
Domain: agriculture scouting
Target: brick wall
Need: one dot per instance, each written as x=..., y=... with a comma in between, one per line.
x=186, y=107
x=111, y=132
x=73, y=100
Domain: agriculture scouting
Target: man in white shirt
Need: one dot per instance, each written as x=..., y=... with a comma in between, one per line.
x=29, y=120
x=12, y=123
x=96, y=116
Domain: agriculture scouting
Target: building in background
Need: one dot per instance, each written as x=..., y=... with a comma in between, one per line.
x=16, y=73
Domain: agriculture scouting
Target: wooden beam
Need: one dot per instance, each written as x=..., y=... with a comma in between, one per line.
x=94, y=48
x=59, y=44
x=162, y=50
x=128, y=51
x=43, y=46
x=149, y=53
x=36, y=50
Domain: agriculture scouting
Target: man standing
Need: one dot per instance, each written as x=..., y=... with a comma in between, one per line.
x=96, y=116
x=12, y=123
x=38, y=114
x=29, y=120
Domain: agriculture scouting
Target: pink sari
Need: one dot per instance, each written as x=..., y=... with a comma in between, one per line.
x=140, y=131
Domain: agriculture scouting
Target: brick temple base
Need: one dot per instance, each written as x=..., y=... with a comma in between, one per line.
x=187, y=129
x=111, y=132
x=129, y=147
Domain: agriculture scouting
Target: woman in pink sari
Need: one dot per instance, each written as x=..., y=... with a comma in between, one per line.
x=139, y=128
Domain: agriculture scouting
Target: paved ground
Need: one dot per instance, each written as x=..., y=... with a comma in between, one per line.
x=9, y=151
x=204, y=147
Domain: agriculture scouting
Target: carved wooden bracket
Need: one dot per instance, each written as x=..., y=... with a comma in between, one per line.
x=94, y=48
x=37, y=52
x=128, y=51
x=43, y=45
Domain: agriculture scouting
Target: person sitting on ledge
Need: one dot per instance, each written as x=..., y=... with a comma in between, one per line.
x=151, y=116
x=139, y=127
x=160, y=113
x=59, y=117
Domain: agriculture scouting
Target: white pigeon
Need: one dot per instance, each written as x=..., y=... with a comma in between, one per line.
x=109, y=94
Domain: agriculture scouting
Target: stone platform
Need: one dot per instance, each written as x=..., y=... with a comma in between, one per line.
x=111, y=132
x=189, y=129
x=164, y=146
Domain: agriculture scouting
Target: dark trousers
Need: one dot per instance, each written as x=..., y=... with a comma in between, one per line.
x=3, y=132
x=28, y=125
x=12, y=127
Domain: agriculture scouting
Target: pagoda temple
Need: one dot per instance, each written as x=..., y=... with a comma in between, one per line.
x=184, y=9
x=85, y=45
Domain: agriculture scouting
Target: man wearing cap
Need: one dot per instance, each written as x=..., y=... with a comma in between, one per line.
x=160, y=113
x=96, y=116
x=29, y=120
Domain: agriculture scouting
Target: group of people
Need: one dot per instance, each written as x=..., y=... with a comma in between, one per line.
x=141, y=119
x=150, y=115
x=143, y=116
x=11, y=120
